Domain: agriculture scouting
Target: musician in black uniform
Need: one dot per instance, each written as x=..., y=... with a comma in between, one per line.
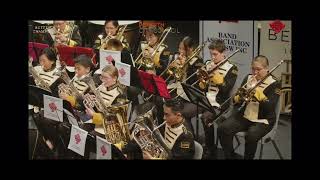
x=111, y=30
x=221, y=82
x=161, y=57
x=177, y=136
x=258, y=115
x=61, y=34
x=186, y=47
x=46, y=71
x=83, y=66
x=112, y=93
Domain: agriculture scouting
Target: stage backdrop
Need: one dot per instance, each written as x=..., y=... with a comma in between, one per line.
x=236, y=35
x=276, y=46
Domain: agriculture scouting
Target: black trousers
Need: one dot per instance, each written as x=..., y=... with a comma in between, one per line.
x=207, y=122
x=254, y=132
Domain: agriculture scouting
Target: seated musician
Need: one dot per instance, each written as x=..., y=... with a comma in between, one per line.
x=177, y=137
x=112, y=93
x=257, y=117
x=111, y=31
x=180, y=74
x=160, y=58
x=83, y=67
x=60, y=34
x=221, y=82
x=46, y=70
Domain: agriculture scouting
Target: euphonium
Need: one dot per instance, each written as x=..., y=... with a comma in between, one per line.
x=37, y=79
x=115, y=123
x=148, y=137
x=67, y=88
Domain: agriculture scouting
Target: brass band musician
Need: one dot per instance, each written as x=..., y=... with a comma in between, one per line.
x=221, y=82
x=112, y=30
x=258, y=115
x=63, y=33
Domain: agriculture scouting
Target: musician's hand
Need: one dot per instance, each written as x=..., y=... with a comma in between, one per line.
x=61, y=37
x=217, y=78
x=151, y=71
x=202, y=85
x=89, y=112
x=237, y=99
x=182, y=59
x=63, y=95
x=146, y=155
x=259, y=95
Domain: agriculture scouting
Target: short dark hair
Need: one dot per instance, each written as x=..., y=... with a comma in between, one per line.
x=262, y=59
x=84, y=60
x=50, y=53
x=218, y=45
x=115, y=23
x=176, y=105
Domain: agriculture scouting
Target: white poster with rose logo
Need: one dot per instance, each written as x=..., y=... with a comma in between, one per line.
x=107, y=56
x=53, y=108
x=77, y=140
x=124, y=73
x=103, y=148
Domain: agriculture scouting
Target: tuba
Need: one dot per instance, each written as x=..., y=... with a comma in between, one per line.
x=148, y=137
x=115, y=123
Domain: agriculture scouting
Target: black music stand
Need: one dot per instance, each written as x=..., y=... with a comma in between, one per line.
x=198, y=98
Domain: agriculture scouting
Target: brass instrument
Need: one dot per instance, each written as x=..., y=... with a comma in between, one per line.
x=115, y=123
x=147, y=61
x=120, y=32
x=203, y=73
x=247, y=91
x=148, y=136
x=67, y=88
x=179, y=71
x=37, y=79
x=118, y=36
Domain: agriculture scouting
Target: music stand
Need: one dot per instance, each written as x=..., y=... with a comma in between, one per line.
x=198, y=98
x=68, y=54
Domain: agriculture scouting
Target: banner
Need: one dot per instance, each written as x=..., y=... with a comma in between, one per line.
x=124, y=73
x=107, y=56
x=103, y=148
x=275, y=43
x=236, y=35
x=78, y=138
x=53, y=108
